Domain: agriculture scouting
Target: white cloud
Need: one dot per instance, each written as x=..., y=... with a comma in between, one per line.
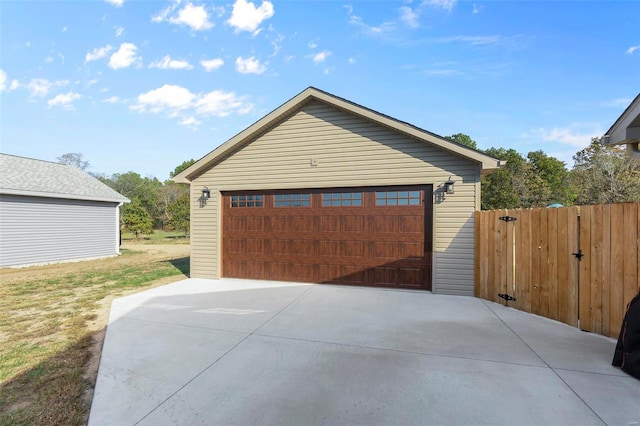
x=64, y=29
x=370, y=30
x=574, y=135
x=440, y=4
x=166, y=98
x=320, y=57
x=118, y=29
x=247, y=17
x=441, y=72
x=211, y=64
x=124, y=57
x=168, y=63
x=476, y=9
x=112, y=100
x=312, y=45
x=116, y=3
x=473, y=40
x=195, y=17
x=249, y=65
x=176, y=101
x=3, y=80
x=631, y=50
x=49, y=59
x=352, y=61
x=221, y=104
x=40, y=87
x=64, y=100
x=619, y=102
x=191, y=122
x=97, y=53
x=409, y=17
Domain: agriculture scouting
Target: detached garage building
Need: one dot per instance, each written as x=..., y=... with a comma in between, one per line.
x=52, y=212
x=324, y=190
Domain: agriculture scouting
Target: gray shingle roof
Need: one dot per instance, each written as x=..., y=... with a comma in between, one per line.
x=26, y=176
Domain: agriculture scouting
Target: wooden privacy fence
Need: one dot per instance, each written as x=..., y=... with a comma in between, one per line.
x=579, y=265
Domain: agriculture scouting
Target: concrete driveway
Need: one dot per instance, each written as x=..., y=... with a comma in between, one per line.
x=254, y=352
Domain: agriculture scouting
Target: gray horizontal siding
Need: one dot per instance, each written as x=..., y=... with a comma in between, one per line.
x=41, y=230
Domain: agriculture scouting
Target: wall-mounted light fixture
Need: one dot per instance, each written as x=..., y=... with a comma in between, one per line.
x=205, y=192
x=448, y=186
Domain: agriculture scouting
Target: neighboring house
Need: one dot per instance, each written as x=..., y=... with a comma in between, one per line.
x=324, y=190
x=626, y=129
x=51, y=212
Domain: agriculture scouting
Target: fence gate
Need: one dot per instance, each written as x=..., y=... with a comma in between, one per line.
x=578, y=265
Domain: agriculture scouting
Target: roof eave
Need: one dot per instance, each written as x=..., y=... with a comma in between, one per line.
x=623, y=131
x=8, y=191
x=186, y=176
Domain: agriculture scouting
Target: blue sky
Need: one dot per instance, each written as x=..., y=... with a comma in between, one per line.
x=144, y=85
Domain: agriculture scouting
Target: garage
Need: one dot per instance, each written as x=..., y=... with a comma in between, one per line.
x=379, y=236
x=324, y=190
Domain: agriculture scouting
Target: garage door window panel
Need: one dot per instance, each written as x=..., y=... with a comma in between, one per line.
x=247, y=201
x=342, y=199
x=292, y=200
x=397, y=198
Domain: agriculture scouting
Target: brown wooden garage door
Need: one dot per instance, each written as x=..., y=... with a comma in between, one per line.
x=362, y=236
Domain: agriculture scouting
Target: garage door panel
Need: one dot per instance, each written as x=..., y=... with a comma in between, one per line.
x=386, y=277
x=367, y=244
x=385, y=251
x=385, y=224
x=411, y=277
x=255, y=246
x=329, y=248
x=410, y=249
x=353, y=248
x=353, y=224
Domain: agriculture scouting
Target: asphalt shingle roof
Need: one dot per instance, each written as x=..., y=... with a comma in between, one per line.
x=27, y=176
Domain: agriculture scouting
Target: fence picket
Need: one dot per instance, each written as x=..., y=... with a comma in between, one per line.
x=532, y=259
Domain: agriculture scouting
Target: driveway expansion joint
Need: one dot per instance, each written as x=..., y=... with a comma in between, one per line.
x=545, y=362
x=426, y=354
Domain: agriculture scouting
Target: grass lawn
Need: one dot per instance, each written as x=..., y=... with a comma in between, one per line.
x=49, y=323
x=158, y=235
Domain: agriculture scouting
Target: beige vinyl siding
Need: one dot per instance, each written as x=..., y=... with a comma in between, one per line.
x=204, y=230
x=350, y=151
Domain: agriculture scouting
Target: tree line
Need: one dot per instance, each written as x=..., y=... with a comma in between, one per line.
x=154, y=204
x=601, y=174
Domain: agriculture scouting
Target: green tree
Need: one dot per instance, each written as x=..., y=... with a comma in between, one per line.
x=181, y=167
x=462, y=139
x=549, y=180
x=179, y=214
x=505, y=188
x=147, y=190
x=604, y=174
x=73, y=159
x=172, y=192
x=135, y=218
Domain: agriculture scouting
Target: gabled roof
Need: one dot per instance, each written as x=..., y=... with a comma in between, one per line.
x=37, y=178
x=312, y=94
x=626, y=129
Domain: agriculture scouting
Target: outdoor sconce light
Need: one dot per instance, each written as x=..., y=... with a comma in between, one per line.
x=448, y=186
x=206, y=193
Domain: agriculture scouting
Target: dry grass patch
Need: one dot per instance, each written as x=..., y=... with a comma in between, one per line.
x=52, y=321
